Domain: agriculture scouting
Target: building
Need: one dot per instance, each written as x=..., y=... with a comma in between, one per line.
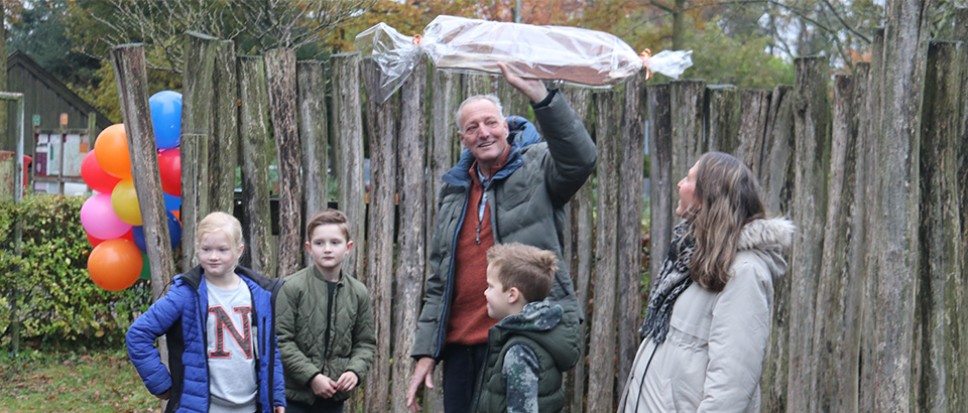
x=45, y=99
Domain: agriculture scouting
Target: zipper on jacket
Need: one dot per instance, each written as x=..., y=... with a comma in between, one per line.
x=328, y=352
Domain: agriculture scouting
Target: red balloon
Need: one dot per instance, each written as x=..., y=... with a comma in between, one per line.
x=128, y=235
x=95, y=177
x=94, y=241
x=169, y=165
x=115, y=264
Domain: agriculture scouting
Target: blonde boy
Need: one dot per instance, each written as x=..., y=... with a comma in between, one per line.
x=325, y=322
x=532, y=344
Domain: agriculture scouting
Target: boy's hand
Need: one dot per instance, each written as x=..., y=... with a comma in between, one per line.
x=422, y=372
x=164, y=396
x=279, y=409
x=532, y=88
x=323, y=386
x=347, y=381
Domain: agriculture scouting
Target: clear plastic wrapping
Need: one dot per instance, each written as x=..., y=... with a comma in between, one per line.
x=571, y=54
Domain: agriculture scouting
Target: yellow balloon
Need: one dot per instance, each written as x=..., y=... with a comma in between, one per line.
x=124, y=200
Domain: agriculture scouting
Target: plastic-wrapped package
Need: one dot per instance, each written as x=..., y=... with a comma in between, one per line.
x=571, y=54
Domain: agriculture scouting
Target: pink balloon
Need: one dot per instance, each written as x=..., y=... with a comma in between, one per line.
x=99, y=219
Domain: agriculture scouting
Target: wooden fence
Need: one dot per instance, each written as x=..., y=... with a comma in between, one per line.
x=871, y=316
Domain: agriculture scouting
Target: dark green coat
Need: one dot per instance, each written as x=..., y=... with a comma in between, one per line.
x=527, y=200
x=302, y=310
x=552, y=339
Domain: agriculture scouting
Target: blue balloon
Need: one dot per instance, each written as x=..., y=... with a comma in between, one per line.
x=138, y=233
x=172, y=203
x=166, y=109
x=174, y=232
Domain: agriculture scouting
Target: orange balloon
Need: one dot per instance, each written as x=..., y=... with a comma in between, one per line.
x=115, y=264
x=111, y=151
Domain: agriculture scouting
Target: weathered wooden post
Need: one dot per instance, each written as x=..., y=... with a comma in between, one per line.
x=197, y=101
x=602, y=344
x=812, y=130
x=281, y=78
x=443, y=149
x=411, y=236
x=835, y=335
x=961, y=34
x=223, y=152
x=580, y=239
x=722, y=119
x=130, y=70
x=896, y=227
x=254, y=137
x=939, y=342
x=631, y=154
x=477, y=84
x=873, y=136
x=751, y=132
x=776, y=179
x=381, y=129
x=348, y=120
x=662, y=183
x=688, y=97
x=314, y=134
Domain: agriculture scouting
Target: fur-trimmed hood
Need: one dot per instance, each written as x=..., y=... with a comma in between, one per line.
x=770, y=239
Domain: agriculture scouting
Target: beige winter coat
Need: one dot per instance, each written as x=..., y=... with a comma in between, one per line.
x=712, y=358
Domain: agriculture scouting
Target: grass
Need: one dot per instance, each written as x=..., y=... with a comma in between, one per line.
x=98, y=381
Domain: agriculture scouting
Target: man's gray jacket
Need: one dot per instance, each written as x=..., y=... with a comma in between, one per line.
x=527, y=200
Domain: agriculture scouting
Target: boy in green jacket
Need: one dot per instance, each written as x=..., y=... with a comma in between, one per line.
x=529, y=348
x=324, y=322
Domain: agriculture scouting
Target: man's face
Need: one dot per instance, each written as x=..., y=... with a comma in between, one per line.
x=483, y=131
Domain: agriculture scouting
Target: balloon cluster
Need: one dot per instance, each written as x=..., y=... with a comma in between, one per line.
x=112, y=217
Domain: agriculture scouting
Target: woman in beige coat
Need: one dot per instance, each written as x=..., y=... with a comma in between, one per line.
x=708, y=320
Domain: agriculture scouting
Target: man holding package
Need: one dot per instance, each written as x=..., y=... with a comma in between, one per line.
x=508, y=186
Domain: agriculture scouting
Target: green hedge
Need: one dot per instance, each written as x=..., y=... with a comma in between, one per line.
x=57, y=304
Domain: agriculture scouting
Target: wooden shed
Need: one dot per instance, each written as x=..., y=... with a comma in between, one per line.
x=45, y=97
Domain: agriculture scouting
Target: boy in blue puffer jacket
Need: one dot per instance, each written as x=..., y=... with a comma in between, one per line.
x=218, y=320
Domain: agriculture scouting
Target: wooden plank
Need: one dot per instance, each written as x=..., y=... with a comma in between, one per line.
x=381, y=129
x=580, y=245
x=513, y=101
x=961, y=315
x=662, y=183
x=722, y=118
x=835, y=335
x=348, y=120
x=130, y=70
x=313, y=134
x=872, y=137
x=256, y=149
x=478, y=84
x=812, y=135
x=197, y=100
x=443, y=147
x=896, y=226
x=224, y=142
x=602, y=345
x=411, y=236
x=938, y=339
x=688, y=97
x=281, y=79
x=751, y=133
x=631, y=153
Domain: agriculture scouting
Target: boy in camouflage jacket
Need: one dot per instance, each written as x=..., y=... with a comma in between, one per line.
x=528, y=350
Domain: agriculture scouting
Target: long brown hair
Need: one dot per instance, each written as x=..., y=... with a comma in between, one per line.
x=728, y=196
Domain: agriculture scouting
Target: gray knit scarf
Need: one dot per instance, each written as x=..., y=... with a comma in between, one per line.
x=673, y=280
